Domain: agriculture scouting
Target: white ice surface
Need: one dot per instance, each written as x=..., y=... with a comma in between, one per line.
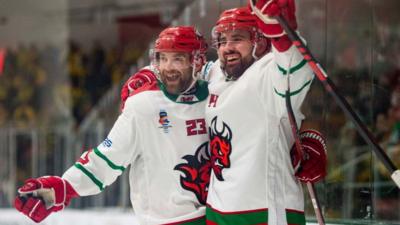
x=73, y=217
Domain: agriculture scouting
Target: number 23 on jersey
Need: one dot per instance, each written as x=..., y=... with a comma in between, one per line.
x=195, y=127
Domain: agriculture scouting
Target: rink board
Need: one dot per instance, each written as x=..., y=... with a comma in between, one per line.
x=77, y=217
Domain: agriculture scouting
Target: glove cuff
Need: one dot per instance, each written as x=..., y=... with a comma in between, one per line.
x=313, y=168
x=270, y=30
x=62, y=190
x=39, y=197
x=282, y=43
x=314, y=139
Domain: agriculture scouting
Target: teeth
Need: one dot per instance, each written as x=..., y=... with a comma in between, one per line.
x=172, y=77
x=230, y=58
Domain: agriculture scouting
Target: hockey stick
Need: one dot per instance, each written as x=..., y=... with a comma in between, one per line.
x=300, y=151
x=332, y=90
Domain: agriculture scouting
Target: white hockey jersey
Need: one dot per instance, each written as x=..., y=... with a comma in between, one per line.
x=164, y=140
x=252, y=179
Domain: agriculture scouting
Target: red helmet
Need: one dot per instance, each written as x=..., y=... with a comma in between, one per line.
x=236, y=18
x=180, y=39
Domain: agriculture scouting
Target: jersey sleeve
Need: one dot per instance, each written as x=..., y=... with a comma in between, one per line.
x=289, y=63
x=100, y=166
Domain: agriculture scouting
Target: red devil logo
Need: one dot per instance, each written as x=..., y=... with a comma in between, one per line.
x=221, y=147
x=197, y=172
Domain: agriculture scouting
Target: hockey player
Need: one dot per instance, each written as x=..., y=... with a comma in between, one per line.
x=253, y=180
x=161, y=134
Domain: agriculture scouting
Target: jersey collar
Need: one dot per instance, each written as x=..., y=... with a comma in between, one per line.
x=197, y=94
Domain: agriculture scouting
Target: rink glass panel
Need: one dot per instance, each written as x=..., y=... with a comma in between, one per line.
x=358, y=43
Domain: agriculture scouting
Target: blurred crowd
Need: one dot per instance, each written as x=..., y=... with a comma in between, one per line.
x=368, y=76
x=42, y=85
x=21, y=85
x=52, y=90
x=92, y=73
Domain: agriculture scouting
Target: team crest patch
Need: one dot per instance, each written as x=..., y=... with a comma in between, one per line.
x=220, y=147
x=164, y=121
x=196, y=172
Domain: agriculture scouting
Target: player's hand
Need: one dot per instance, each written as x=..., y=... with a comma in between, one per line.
x=312, y=166
x=142, y=77
x=270, y=27
x=271, y=8
x=41, y=196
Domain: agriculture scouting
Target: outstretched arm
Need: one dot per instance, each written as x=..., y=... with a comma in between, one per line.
x=101, y=165
x=287, y=61
x=96, y=169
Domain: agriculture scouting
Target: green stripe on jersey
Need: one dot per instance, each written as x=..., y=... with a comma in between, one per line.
x=255, y=217
x=293, y=69
x=293, y=92
x=92, y=177
x=240, y=218
x=110, y=164
x=295, y=218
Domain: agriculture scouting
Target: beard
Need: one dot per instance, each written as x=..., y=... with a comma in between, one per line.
x=236, y=70
x=175, y=81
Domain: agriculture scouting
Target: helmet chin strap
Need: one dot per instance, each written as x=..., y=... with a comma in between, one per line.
x=253, y=52
x=194, y=77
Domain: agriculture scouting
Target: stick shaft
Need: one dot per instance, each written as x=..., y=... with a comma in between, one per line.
x=315, y=203
x=299, y=149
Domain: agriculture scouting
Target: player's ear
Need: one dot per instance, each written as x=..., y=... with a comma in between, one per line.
x=263, y=46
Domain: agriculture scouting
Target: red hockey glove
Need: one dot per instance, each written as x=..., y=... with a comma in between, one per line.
x=42, y=196
x=312, y=167
x=270, y=8
x=142, y=77
x=271, y=28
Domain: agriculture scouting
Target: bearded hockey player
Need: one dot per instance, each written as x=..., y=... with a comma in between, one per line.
x=253, y=179
x=161, y=134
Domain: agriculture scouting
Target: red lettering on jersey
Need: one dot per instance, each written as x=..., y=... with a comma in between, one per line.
x=187, y=99
x=191, y=127
x=197, y=126
x=201, y=123
x=213, y=100
x=85, y=158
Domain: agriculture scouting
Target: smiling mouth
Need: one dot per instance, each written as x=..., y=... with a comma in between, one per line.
x=232, y=59
x=172, y=78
